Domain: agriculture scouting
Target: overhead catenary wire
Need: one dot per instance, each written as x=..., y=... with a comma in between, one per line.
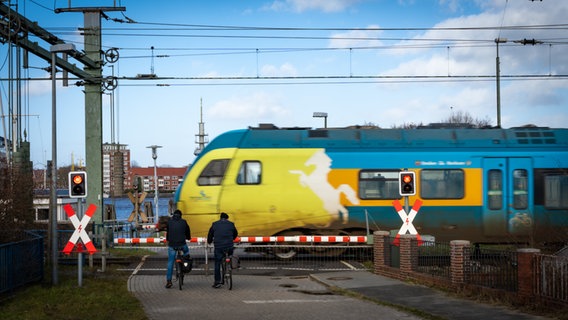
x=175, y=30
x=134, y=28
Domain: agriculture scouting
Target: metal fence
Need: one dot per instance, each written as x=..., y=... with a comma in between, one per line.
x=308, y=257
x=551, y=276
x=21, y=262
x=114, y=229
x=491, y=268
x=434, y=259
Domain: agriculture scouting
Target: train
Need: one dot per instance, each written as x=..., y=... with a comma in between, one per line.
x=490, y=185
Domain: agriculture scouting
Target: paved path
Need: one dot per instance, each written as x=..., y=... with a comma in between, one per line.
x=298, y=297
x=253, y=297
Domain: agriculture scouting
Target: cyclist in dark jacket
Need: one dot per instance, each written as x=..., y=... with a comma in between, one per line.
x=177, y=233
x=222, y=234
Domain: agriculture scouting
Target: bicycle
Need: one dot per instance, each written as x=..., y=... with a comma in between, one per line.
x=179, y=264
x=227, y=270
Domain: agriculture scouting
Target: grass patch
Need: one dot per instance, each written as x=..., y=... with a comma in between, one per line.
x=101, y=296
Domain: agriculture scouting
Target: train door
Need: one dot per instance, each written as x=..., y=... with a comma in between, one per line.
x=508, y=203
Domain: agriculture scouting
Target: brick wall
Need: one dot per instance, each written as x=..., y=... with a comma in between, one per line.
x=460, y=266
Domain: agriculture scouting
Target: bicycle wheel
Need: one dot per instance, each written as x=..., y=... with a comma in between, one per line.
x=228, y=274
x=223, y=271
x=179, y=271
x=176, y=267
x=180, y=265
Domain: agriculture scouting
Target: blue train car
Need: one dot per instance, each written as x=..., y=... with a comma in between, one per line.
x=482, y=185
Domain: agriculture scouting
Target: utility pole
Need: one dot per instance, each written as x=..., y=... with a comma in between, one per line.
x=93, y=104
x=18, y=27
x=498, y=70
x=498, y=79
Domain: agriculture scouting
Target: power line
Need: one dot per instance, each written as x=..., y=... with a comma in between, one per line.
x=355, y=78
x=263, y=28
x=331, y=80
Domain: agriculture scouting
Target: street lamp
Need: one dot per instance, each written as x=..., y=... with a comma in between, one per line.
x=54, y=49
x=498, y=80
x=322, y=115
x=155, y=156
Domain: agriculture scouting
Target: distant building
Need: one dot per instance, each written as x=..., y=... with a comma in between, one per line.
x=116, y=169
x=118, y=175
x=169, y=178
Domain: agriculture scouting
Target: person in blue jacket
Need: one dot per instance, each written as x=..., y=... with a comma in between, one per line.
x=222, y=234
x=177, y=233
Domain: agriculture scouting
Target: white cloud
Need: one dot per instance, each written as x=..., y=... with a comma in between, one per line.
x=432, y=66
x=210, y=74
x=38, y=88
x=255, y=107
x=356, y=38
x=452, y=5
x=285, y=70
x=308, y=5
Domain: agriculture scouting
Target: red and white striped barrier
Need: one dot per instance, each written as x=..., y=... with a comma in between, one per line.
x=300, y=239
x=303, y=239
x=139, y=240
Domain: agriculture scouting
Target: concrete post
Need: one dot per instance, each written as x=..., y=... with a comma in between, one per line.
x=93, y=114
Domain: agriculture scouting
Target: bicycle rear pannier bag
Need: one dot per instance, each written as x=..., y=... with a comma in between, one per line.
x=187, y=264
x=235, y=262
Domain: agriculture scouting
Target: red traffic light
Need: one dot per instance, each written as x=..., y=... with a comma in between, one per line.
x=77, y=184
x=77, y=179
x=406, y=183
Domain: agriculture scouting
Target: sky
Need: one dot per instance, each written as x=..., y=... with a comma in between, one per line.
x=235, y=64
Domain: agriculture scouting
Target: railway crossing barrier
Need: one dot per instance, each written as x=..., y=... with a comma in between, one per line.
x=272, y=239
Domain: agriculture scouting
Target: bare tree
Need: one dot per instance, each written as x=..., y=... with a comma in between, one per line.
x=462, y=117
x=16, y=201
x=456, y=119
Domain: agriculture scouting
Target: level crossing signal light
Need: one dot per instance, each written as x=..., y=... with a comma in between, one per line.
x=77, y=184
x=406, y=183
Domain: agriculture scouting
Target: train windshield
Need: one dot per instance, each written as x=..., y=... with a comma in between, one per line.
x=213, y=173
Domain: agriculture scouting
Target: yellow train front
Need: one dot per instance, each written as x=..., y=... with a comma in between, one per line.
x=482, y=185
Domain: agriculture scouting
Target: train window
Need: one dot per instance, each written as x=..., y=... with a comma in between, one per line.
x=495, y=192
x=213, y=173
x=520, y=191
x=556, y=191
x=442, y=184
x=249, y=173
x=378, y=184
